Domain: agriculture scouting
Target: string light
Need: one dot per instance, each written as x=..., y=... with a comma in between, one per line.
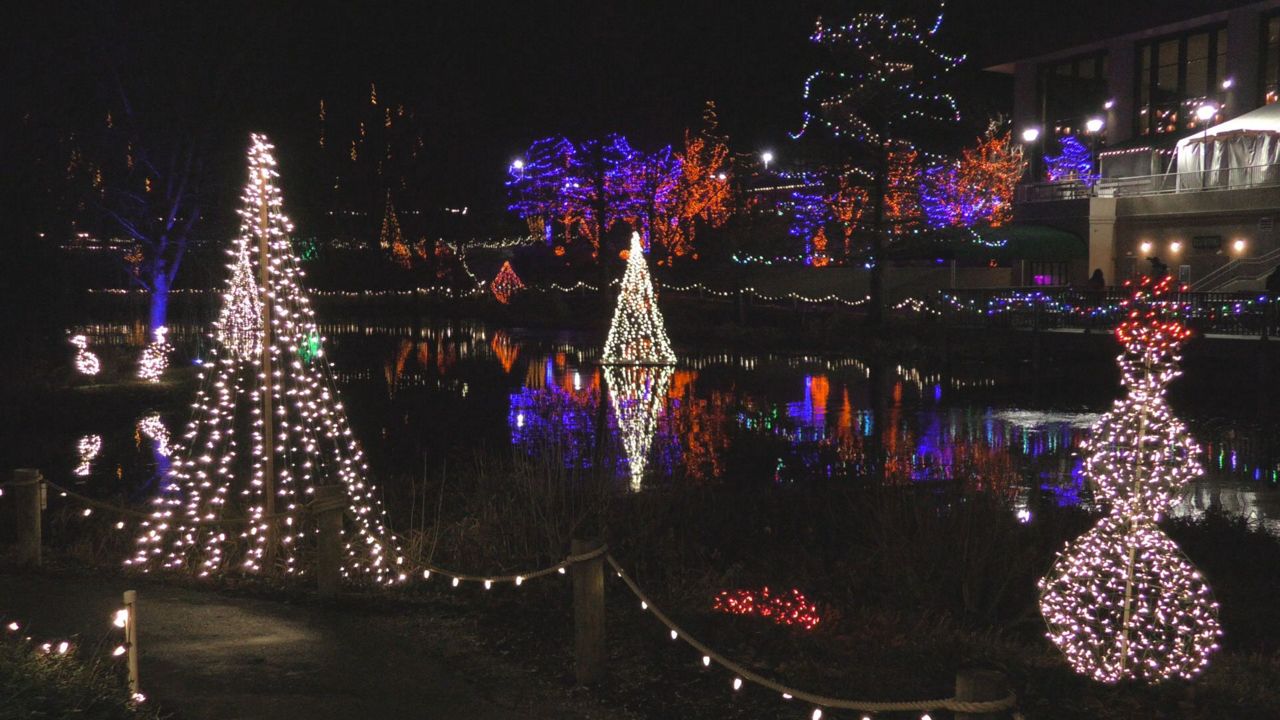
x=789, y=608
x=220, y=471
x=88, y=447
x=1074, y=162
x=637, y=334
x=506, y=283
x=86, y=362
x=1121, y=601
x=638, y=395
x=239, y=325
x=155, y=357
x=153, y=427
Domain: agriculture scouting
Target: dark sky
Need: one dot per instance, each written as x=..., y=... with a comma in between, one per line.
x=489, y=76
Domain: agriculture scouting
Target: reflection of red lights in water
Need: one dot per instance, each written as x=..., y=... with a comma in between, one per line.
x=788, y=608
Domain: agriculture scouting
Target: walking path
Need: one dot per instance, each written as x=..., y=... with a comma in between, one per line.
x=207, y=655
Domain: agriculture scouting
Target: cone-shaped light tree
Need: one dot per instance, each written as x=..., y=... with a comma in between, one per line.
x=1121, y=601
x=637, y=335
x=238, y=328
x=506, y=283
x=266, y=429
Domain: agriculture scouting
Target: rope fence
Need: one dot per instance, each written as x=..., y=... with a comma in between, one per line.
x=821, y=701
x=588, y=602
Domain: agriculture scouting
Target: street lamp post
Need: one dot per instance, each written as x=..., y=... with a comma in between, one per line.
x=1093, y=126
x=1030, y=136
x=766, y=157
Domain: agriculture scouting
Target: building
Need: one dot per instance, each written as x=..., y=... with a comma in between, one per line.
x=1184, y=122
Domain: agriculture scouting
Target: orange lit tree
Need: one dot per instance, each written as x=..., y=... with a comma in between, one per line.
x=978, y=188
x=704, y=193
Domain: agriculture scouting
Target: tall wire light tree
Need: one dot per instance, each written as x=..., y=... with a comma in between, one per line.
x=878, y=90
x=267, y=427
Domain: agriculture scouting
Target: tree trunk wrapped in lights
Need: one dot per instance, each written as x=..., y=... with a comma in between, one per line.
x=637, y=335
x=236, y=494
x=1121, y=601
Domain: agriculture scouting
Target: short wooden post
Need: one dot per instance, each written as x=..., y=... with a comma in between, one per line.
x=588, y=613
x=974, y=685
x=27, y=515
x=327, y=507
x=131, y=639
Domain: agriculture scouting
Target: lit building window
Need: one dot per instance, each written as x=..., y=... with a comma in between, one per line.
x=1178, y=74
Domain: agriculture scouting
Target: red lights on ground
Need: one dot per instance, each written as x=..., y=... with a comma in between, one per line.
x=787, y=608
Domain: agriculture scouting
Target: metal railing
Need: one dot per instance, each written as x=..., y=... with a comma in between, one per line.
x=1243, y=314
x=1227, y=178
x=1250, y=268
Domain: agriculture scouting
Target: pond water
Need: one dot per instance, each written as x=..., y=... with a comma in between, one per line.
x=421, y=392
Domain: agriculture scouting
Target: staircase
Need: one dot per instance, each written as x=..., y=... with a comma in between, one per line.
x=1243, y=274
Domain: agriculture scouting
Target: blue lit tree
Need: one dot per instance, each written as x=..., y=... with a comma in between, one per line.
x=810, y=212
x=537, y=186
x=645, y=191
x=1074, y=162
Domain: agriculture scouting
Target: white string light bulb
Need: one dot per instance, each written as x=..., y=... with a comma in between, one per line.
x=86, y=362
x=1121, y=601
x=155, y=357
x=239, y=325
x=637, y=334
x=220, y=468
x=638, y=394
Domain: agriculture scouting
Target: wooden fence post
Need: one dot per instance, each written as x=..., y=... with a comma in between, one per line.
x=131, y=639
x=27, y=484
x=973, y=685
x=588, y=613
x=327, y=506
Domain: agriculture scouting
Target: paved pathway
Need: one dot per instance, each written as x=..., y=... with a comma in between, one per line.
x=220, y=657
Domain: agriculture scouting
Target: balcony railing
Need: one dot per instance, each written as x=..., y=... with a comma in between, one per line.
x=1230, y=178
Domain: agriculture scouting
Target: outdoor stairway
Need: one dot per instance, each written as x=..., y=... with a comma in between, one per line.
x=1243, y=274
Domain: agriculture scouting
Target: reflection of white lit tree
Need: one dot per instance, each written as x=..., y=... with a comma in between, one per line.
x=1121, y=601
x=637, y=334
x=231, y=465
x=638, y=394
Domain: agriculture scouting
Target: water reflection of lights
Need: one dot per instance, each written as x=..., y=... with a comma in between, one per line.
x=638, y=394
x=88, y=447
x=153, y=427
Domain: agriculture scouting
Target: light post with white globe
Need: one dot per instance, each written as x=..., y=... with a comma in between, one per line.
x=1093, y=127
x=766, y=157
x=1030, y=138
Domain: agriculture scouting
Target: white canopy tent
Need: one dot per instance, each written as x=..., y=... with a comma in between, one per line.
x=1240, y=152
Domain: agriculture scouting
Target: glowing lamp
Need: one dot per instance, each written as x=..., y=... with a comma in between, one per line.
x=1238, y=245
x=1206, y=112
x=1093, y=125
x=1030, y=135
x=766, y=157
x=1146, y=247
x=1109, y=104
x=1175, y=246
x=517, y=164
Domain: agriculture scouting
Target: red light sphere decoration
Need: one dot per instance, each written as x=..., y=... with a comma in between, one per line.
x=787, y=608
x=1122, y=602
x=506, y=283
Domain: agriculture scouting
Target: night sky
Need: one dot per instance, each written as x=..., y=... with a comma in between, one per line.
x=490, y=77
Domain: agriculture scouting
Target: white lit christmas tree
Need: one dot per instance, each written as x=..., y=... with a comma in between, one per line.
x=1121, y=601
x=637, y=335
x=638, y=395
x=267, y=428
x=238, y=329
